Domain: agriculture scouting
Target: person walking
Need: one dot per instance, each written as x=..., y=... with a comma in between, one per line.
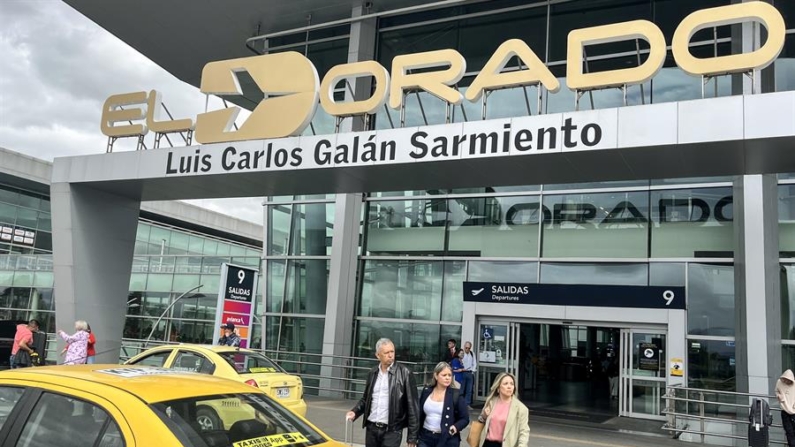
x=443, y=413
x=91, y=352
x=77, y=344
x=504, y=417
x=389, y=402
x=468, y=375
x=452, y=352
x=230, y=337
x=785, y=392
x=22, y=350
x=457, y=366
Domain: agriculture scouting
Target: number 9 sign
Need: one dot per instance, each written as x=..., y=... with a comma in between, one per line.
x=668, y=296
x=241, y=275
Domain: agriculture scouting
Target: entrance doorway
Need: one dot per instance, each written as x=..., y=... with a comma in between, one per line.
x=573, y=370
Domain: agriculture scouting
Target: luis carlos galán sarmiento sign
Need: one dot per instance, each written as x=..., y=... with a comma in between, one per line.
x=292, y=91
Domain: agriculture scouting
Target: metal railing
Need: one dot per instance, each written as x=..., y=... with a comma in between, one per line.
x=703, y=412
x=328, y=375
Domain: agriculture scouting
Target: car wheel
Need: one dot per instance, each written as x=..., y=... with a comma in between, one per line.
x=208, y=419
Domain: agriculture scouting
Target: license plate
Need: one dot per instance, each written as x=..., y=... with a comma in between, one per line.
x=282, y=392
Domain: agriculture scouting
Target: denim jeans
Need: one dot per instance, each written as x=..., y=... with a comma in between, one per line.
x=467, y=382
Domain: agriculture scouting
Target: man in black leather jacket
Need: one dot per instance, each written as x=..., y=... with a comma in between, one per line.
x=389, y=402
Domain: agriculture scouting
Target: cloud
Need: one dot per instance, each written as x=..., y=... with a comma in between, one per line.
x=59, y=68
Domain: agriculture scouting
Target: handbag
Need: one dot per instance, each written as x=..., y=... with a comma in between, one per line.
x=475, y=430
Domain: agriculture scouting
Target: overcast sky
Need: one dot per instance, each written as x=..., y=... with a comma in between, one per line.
x=58, y=68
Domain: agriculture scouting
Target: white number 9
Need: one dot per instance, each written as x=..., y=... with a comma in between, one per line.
x=241, y=275
x=668, y=296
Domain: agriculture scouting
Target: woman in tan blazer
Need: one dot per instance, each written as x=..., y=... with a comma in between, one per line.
x=504, y=416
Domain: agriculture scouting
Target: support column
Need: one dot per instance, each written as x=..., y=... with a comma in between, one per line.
x=341, y=299
x=93, y=236
x=757, y=284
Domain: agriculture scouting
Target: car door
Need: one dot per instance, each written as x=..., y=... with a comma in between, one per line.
x=192, y=361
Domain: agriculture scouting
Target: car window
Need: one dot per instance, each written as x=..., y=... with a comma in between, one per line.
x=235, y=420
x=9, y=396
x=250, y=362
x=193, y=362
x=156, y=359
x=68, y=422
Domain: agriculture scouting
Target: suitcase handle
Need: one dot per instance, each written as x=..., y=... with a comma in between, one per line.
x=348, y=432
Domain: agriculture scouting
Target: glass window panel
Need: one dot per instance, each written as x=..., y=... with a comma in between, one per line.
x=27, y=218
x=494, y=226
x=185, y=282
x=237, y=250
x=605, y=225
x=785, y=63
x=43, y=241
x=28, y=200
x=196, y=306
x=223, y=249
x=210, y=247
x=196, y=245
x=44, y=222
x=20, y=298
x=402, y=289
x=140, y=264
x=160, y=237
x=667, y=274
x=307, y=286
x=179, y=243
x=210, y=283
x=248, y=262
x=188, y=264
x=788, y=355
x=6, y=279
x=276, y=271
x=138, y=281
x=413, y=227
x=427, y=192
x=692, y=223
x=593, y=185
x=672, y=84
x=43, y=279
x=710, y=301
x=453, y=292
x=41, y=299
x=23, y=279
x=159, y=282
x=9, y=196
x=503, y=271
x=142, y=232
x=8, y=213
x=601, y=274
x=711, y=365
x=414, y=342
x=686, y=180
x=313, y=227
x=162, y=264
x=213, y=265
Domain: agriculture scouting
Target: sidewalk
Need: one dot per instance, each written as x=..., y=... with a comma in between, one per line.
x=329, y=415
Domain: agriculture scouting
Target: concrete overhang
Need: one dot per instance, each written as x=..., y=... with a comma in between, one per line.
x=710, y=137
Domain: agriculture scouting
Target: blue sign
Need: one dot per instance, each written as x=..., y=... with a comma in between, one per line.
x=488, y=333
x=646, y=297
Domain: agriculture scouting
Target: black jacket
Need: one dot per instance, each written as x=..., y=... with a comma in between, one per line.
x=403, y=409
x=453, y=413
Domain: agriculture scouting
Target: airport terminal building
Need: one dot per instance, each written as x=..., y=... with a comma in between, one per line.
x=559, y=217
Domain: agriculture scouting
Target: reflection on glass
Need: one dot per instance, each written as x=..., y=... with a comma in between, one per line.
x=402, y=289
x=414, y=342
x=609, y=225
x=453, y=291
x=503, y=271
x=692, y=223
x=788, y=303
x=711, y=365
x=601, y=274
x=667, y=274
x=786, y=220
x=494, y=226
x=300, y=229
x=710, y=299
x=492, y=345
x=413, y=227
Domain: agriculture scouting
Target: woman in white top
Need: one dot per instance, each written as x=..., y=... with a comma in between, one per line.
x=443, y=413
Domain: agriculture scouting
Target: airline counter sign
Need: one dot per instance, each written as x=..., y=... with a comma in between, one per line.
x=649, y=297
x=292, y=88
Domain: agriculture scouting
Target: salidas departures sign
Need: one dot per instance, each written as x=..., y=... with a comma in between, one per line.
x=236, y=295
x=292, y=91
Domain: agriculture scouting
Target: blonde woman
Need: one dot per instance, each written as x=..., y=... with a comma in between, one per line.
x=443, y=412
x=505, y=418
x=77, y=344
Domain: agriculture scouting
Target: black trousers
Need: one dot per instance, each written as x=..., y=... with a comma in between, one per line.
x=487, y=443
x=789, y=427
x=381, y=437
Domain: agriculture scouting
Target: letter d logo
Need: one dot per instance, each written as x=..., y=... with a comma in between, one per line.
x=289, y=82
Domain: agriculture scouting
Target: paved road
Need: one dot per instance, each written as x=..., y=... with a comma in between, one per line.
x=329, y=416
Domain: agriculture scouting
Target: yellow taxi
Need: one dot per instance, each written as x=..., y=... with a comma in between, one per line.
x=243, y=365
x=137, y=406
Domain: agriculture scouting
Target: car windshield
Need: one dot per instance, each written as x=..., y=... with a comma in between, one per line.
x=250, y=362
x=233, y=420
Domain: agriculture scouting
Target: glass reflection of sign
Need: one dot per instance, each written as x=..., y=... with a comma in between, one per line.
x=648, y=357
x=238, y=290
x=17, y=235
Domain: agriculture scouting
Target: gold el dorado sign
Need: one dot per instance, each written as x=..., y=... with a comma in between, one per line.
x=292, y=88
